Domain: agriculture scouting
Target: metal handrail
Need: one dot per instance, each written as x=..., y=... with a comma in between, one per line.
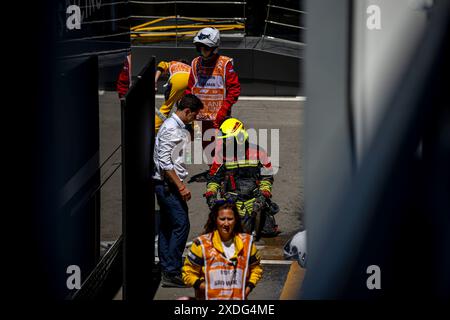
x=167, y=34
x=176, y=21
x=101, y=5
x=137, y=30
x=88, y=54
x=91, y=289
x=159, y=19
x=267, y=21
x=103, y=21
x=107, y=4
x=284, y=24
x=187, y=18
x=95, y=37
x=186, y=26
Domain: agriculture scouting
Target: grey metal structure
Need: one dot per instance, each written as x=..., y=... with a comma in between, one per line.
x=373, y=198
x=181, y=10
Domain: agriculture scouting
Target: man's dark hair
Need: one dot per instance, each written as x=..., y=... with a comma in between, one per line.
x=190, y=101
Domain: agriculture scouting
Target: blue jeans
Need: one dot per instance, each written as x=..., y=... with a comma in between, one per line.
x=173, y=229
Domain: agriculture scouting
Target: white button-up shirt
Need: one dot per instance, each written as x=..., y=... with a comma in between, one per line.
x=170, y=144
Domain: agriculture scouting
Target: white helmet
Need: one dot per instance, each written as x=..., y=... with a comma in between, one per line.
x=210, y=37
x=296, y=248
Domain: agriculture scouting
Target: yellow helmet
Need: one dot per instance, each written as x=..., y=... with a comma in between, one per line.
x=233, y=128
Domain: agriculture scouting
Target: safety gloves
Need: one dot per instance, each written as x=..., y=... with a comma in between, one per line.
x=266, y=194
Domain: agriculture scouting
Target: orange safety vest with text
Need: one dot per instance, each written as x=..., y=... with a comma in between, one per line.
x=209, y=86
x=225, y=279
x=129, y=70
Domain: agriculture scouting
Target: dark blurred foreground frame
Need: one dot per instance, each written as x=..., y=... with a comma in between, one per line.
x=392, y=208
x=59, y=83
x=140, y=276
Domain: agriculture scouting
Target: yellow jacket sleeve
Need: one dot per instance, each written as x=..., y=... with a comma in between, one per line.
x=255, y=267
x=193, y=268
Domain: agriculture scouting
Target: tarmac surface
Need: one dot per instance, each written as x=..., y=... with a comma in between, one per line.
x=287, y=117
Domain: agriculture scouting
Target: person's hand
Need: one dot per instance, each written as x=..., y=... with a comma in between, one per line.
x=222, y=114
x=185, y=193
x=266, y=194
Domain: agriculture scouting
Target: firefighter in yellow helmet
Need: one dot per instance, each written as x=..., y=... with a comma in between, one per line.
x=241, y=171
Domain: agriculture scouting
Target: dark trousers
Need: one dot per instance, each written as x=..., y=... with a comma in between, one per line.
x=173, y=229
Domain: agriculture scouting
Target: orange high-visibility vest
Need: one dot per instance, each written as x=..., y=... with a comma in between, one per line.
x=178, y=67
x=225, y=279
x=209, y=86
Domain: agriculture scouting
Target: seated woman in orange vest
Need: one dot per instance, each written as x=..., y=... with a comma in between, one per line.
x=223, y=263
x=178, y=72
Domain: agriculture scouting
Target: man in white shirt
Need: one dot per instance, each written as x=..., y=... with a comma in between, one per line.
x=171, y=192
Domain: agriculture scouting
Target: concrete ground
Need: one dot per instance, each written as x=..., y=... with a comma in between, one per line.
x=287, y=117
